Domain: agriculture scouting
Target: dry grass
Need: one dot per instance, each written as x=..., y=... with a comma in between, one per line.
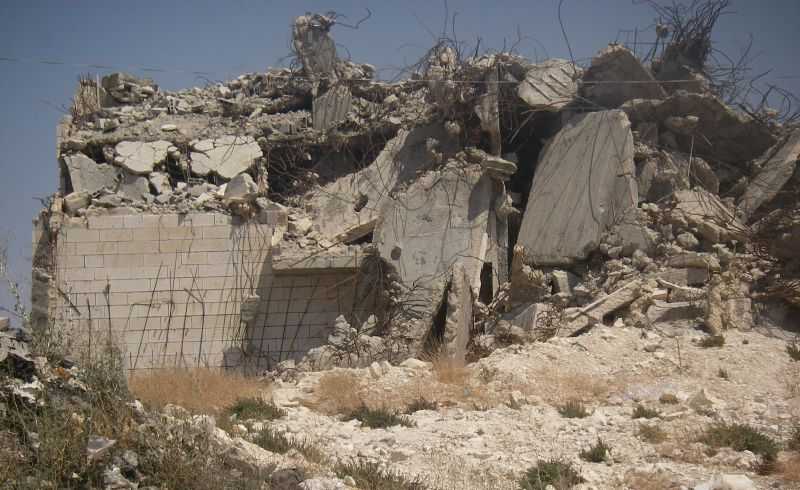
x=642, y=480
x=199, y=390
x=557, y=387
x=789, y=468
x=449, y=370
x=337, y=392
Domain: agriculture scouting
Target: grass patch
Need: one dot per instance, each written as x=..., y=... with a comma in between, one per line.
x=275, y=442
x=652, y=433
x=599, y=453
x=573, y=409
x=255, y=408
x=337, y=392
x=668, y=399
x=369, y=476
x=741, y=437
x=199, y=390
x=556, y=472
x=794, y=439
x=712, y=341
x=421, y=404
x=378, y=418
x=642, y=412
x=793, y=350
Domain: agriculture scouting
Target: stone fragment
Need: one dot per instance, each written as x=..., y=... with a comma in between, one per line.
x=168, y=128
x=75, y=201
x=564, y=281
x=704, y=211
x=331, y=108
x=583, y=184
x=230, y=156
x=241, y=189
x=616, y=76
x=86, y=175
x=595, y=311
x=160, y=182
x=550, y=85
x=5, y=323
x=499, y=166
x=141, y=157
x=686, y=260
x=122, y=88
x=488, y=111
x=662, y=311
x=728, y=136
x=690, y=276
x=300, y=225
x=687, y=240
x=134, y=187
x=776, y=168
x=727, y=482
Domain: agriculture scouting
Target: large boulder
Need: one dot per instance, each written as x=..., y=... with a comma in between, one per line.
x=583, y=185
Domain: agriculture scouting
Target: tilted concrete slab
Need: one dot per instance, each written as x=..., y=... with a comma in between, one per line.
x=458, y=324
x=616, y=76
x=777, y=167
x=227, y=156
x=704, y=211
x=331, y=108
x=550, y=85
x=348, y=208
x=584, y=183
x=88, y=176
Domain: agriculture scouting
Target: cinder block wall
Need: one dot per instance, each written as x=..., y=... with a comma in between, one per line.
x=168, y=288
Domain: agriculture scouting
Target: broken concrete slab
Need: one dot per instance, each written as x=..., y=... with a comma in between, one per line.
x=227, y=156
x=349, y=207
x=694, y=260
x=595, y=312
x=75, y=201
x=728, y=136
x=241, y=189
x=689, y=276
x=704, y=211
x=488, y=111
x=776, y=168
x=160, y=182
x=331, y=108
x=140, y=157
x=313, y=45
x=134, y=187
x=86, y=175
x=583, y=185
x=662, y=312
x=616, y=76
x=458, y=323
x=550, y=85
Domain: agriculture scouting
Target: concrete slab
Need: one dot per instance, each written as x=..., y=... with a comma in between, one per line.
x=86, y=175
x=777, y=167
x=583, y=185
x=141, y=157
x=617, y=76
x=704, y=211
x=330, y=108
x=458, y=324
x=550, y=85
x=230, y=156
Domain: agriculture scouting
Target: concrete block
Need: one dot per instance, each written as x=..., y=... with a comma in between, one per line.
x=218, y=231
x=179, y=232
x=70, y=275
x=159, y=220
x=105, y=222
x=75, y=234
x=192, y=258
x=146, y=234
x=137, y=247
x=94, y=261
x=211, y=245
x=133, y=221
x=121, y=235
x=72, y=261
x=132, y=260
x=204, y=219
x=128, y=285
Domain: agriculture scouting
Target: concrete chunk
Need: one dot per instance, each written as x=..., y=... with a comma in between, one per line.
x=134, y=187
x=330, y=108
x=616, y=76
x=595, y=311
x=704, y=211
x=661, y=311
x=777, y=167
x=241, y=188
x=230, y=156
x=550, y=85
x=583, y=185
x=140, y=157
x=458, y=324
x=88, y=176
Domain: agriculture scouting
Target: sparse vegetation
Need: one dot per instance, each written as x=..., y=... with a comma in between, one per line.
x=255, y=408
x=573, y=409
x=199, y=390
x=369, y=476
x=421, y=404
x=794, y=439
x=712, y=341
x=556, y=472
x=668, y=399
x=793, y=350
x=652, y=433
x=274, y=441
x=741, y=437
x=598, y=453
x=337, y=392
x=642, y=412
x=378, y=418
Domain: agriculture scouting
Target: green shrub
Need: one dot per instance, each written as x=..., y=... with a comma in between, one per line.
x=378, y=418
x=369, y=476
x=642, y=412
x=598, y=453
x=741, y=437
x=573, y=409
x=556, y=472
x=712, y=341
x=255, y=408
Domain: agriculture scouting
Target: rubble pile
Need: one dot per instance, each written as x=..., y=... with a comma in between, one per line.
x=499, y=195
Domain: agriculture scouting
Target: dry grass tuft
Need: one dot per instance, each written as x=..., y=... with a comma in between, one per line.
x=557, y=387
x=449, y=370
x=199, y=390
x=642, y=480
x=337, y=392
x=789, y=468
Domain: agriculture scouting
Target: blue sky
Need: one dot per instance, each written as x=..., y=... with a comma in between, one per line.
x=227, y=38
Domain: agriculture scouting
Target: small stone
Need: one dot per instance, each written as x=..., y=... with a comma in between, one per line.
x=687, y=241
x=169, y=127
x=300, y=226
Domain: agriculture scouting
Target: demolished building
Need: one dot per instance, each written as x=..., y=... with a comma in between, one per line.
x=320, y=215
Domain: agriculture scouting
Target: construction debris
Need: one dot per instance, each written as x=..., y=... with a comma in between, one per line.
x=426, y=213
